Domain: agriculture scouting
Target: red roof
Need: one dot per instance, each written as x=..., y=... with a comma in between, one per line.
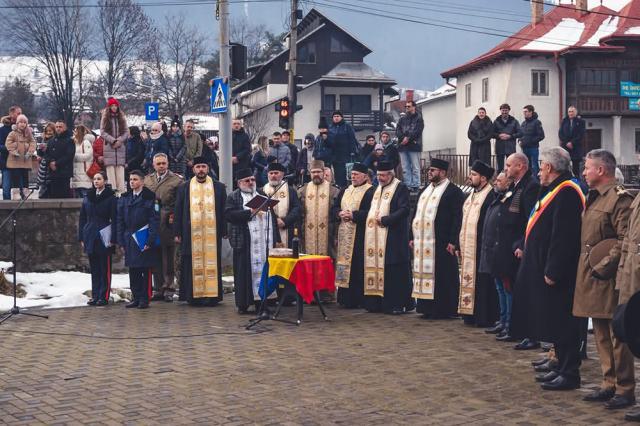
x=564, y=29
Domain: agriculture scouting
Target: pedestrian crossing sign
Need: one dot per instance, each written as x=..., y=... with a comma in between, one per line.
x=219, y=96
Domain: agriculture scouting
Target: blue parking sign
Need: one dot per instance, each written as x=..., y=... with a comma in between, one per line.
x=151, y=111
x=219, y=96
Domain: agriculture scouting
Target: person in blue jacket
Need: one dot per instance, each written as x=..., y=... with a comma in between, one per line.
x=137, y=209
x=98, y=213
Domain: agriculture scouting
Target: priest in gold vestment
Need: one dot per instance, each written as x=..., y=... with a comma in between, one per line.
x=288, y=210
x=199, y=227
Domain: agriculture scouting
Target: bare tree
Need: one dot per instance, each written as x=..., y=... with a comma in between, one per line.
x=261, y=44
x=257, y=124
x=124, y=27
x=174, y=65
x=56, y=35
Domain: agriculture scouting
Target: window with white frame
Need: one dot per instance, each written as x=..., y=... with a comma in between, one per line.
x=467, y=95
x=485, y=89
x=540, y=82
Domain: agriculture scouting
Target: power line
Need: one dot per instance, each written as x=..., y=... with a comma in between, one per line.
x=145, y=4
x=572, y=7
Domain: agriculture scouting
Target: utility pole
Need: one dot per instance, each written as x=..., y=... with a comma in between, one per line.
x=293, y=59
x=224, y=133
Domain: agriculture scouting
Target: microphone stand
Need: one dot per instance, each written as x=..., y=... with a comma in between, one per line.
x=15, y=310
x=262, y=314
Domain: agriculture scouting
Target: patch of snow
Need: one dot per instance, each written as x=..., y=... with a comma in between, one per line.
x=615, y=5
x=608, y=27
x=56, y=289
x=565, y=34
x=633, y=31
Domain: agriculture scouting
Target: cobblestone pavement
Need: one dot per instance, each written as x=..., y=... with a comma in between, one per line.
x=175, y=364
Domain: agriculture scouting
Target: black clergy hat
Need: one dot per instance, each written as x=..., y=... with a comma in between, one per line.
x=276, y=167
x=384, y=166
x=322, y=124
x=359, y=167
x=243, y=173
x=483, y=168
x=626, y=323
x=439, y=164
x=200, y=160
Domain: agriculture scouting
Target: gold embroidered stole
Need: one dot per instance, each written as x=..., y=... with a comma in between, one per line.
x=281, y=209
x=204, y=249
x=376, y=240
x=468, y=245
x=351, y=199
x=317, y=202
x=424, y=241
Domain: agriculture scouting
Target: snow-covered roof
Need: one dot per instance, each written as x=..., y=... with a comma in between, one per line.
x=443, y=91
x=355, y=72
x=566, y=29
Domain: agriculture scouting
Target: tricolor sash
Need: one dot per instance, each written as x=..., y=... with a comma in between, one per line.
x=317, y=202
x=424, y=241
x=281, y=209
x=204, y=248
x=468, y=249
x=542, y=204
x=351, y=200
x=376, y=239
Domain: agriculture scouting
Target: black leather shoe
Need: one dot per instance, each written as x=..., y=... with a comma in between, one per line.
x=92, y=302
x=633, y=416
x=600, y=395
x=505, y=337
x=143, y=305
x=168, y=298
x=542, y=368
x=540, y=361
x=619, y=401
x=132, y=304
x=526, y=345
x=547, y=377
x=561, y=383
x=494, y=330
x=102, y=303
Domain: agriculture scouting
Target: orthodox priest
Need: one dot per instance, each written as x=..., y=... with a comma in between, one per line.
x=317, y=197
x=350, y=210
x=435, y=239
x=288, y=210
x=199, y=228
x=478, y=299
x=387, y=268
x=248, y=239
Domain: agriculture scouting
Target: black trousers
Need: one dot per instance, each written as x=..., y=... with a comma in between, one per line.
x=100, y=265
x=140, y=283
x=480, y=151
x=500, y=160
x=575, y=167
x=568, y=353
x=59, y=188
x=340, y=174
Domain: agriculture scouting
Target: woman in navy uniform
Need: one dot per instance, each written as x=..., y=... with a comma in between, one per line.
x=98, y=213
x=138, y=208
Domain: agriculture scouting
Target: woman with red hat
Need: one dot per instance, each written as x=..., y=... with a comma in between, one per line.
x=115, y=132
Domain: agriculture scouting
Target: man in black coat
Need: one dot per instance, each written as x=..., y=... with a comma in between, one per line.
x=247, y=237
x=571, y=135
x=532, y=135
x=480, y=134
x=435, y=238
x=506, y=130
x=240, y=147
x=520, y=199
x=204, y=294
x=60, y=154
x=547, y=277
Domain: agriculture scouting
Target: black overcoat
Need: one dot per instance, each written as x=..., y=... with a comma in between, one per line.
x=134, y=213
x=97, y=213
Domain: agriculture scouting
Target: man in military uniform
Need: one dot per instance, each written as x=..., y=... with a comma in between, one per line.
x=164, y=183
x=604, y=223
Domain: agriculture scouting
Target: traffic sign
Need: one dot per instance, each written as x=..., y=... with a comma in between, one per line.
x=219, y=96
x=152, y=111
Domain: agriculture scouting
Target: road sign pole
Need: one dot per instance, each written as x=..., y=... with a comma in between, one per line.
x=224, y=135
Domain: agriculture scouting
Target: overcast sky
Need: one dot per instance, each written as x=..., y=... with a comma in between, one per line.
x=412, y=53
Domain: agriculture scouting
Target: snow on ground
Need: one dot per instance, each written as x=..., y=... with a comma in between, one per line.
x=56, y=289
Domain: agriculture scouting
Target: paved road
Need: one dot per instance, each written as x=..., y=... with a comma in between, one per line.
x=175, y=364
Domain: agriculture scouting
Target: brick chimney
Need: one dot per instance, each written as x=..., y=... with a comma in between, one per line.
x=582, y=6
x=537, y=11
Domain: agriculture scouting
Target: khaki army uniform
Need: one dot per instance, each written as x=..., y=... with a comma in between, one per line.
x=606, y=217
x=165, y=190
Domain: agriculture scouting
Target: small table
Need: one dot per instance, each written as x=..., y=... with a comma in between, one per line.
x=303, y=278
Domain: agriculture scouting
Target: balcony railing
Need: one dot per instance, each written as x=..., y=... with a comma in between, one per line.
x=601, y=104
x=370, y=120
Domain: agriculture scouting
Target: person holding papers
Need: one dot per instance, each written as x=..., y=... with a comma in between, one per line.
x=138, y=218
x=199, y=227
x=97, y=216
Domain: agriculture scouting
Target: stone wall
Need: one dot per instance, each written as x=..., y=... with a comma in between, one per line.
x=47, y=237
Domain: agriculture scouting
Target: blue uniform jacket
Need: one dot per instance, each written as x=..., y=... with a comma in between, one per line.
x=97, y=213
x=132, y=215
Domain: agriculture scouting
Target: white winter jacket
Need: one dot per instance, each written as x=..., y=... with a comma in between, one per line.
x=81, y=163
